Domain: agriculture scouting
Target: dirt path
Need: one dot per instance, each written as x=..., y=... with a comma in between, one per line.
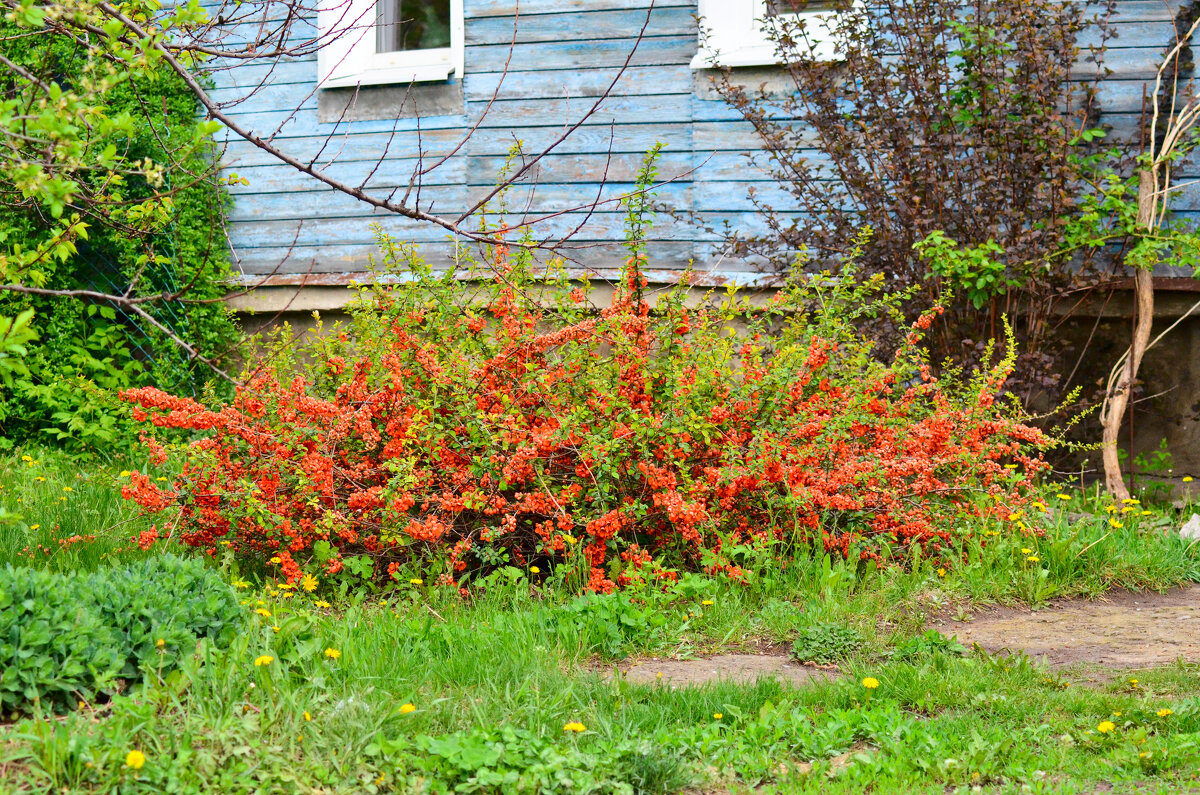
x=740, y=668
x=1121, y=629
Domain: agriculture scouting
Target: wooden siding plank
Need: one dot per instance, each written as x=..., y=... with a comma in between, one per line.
x=346, y=147
x=353, y=259
x=389, y=172
x=600, y=226
x=328, y=203
x=618, y=138
x=304, y=124
x=575, y=26
x=524, y=201
x=526, y=113
x=581, y=55
x=636, y=81
x=584, y=169
x=507, y=8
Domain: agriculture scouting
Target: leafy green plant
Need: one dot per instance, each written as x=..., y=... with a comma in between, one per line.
x=929, y=644
x=64, y=637
x=826, y=643
x=510, y=759
x=613, y=624
x=55, y=649
x=159, y=608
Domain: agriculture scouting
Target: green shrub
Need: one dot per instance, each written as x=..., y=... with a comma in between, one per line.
x=168, y=599
x=64, y=638
x=54, y=647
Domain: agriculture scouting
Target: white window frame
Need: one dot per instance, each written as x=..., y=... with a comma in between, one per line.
x=348, y=56
x=737, y=33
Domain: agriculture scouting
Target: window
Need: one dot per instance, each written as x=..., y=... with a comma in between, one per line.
x=376, y=42
x=738, y=31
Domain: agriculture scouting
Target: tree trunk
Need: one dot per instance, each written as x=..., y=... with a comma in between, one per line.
x=1120, y=391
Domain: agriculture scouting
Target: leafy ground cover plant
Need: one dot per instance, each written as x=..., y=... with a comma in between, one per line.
x=64, y=638
x=454, y=427
x=54, y=648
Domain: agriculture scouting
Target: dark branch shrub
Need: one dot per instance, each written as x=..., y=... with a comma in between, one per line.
x=935, y=118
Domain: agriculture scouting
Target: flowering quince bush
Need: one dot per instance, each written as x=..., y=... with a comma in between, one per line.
x=453, y=424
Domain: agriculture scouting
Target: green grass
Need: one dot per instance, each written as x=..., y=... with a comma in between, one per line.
x=64, y=517
x=494, y=680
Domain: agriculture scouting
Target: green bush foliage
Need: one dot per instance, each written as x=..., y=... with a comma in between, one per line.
x=54, y=647
x=166, y=239
x=173, y=600
x=65, y=638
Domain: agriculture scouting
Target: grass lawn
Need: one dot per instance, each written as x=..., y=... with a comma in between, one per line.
x=417, y=690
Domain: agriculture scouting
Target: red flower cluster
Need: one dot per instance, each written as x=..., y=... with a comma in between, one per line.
x=465, y=432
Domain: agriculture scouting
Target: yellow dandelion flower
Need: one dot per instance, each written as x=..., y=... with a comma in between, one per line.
x=1012, y=517
x=26, y=458
x=39, y=479
x=1147, y=513
x=1144, y=755
x=407, y=708
x=240, y=584
x=34, y=526
x=275, y=630
x=416, y=581
x=307, y=715
x=1133, y=681
x=264, y=612
x=534, y=570
x=125, y=473
x=286, y=586
x=1026, y=551
x=266, y=659
x=1033, y=559
x=718, y=715
x=1164, y=712
x=1064, y=496
x=941, y=572
x=1130, y=501
x=1106, y=726
x=274, y=559
x=135, y=759
x=708, y=602
x=1187, y=479
x=309, y=583
x=574, y=726
x=1116, y=524
x=160, y=643
x=321, y=603
x=870, y=683
x=332, y=653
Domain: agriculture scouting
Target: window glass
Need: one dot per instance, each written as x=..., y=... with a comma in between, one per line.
x=403, y=25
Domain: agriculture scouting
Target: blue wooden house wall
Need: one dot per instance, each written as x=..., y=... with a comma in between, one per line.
x=285, y=224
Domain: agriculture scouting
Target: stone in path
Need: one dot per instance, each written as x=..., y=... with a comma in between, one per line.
x=1121, y=629
x=740, y=668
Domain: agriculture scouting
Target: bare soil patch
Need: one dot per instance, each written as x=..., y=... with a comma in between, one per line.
x=740, y=668
x=1121, y=629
